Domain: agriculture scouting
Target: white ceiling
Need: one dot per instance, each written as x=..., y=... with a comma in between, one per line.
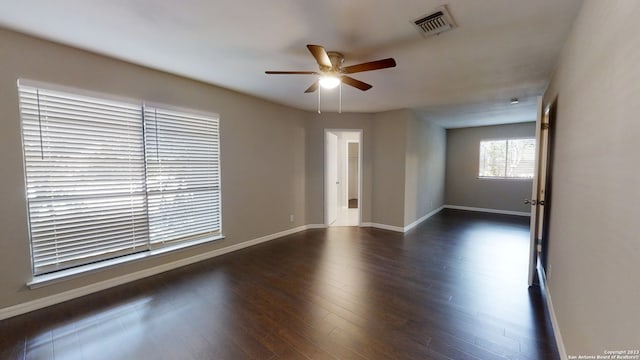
x=464, y=77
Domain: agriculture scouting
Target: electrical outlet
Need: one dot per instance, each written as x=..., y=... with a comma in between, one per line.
x=291, y=218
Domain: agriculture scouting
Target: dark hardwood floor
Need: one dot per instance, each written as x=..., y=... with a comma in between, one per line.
x=454, y=288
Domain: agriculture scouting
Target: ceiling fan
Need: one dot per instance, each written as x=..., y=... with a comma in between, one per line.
x=331, y=71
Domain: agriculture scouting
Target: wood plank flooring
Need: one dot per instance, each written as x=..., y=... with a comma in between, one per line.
x=454, y=288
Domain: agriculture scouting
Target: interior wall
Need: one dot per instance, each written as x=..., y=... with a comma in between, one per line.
x=263, y=146
x=389, y=137
x=424, y=169
x=465, y=188
x=594, y=245
x=352, y=169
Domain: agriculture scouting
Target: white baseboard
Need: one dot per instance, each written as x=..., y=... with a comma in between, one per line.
x=493, y=211
x=32, y=305
x=552, y=314
x=419, y=221
x=402, y=229
x=383, y=226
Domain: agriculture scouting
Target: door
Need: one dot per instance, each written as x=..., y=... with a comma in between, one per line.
x=331, y=179
x=540, y=196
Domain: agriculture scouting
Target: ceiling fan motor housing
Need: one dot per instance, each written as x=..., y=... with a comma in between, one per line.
x=336, y=60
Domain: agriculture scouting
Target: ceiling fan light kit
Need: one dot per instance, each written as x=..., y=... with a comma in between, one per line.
x=329, y=81
x=332, y=73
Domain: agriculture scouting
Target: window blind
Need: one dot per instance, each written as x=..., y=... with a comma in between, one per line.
x=107, y=178
x=183, y=175
x=85, y=177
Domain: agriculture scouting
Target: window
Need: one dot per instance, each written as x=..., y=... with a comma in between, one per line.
x=508, y=158
x=107, y=178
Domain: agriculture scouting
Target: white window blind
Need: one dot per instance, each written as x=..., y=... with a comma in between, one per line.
x=105, y=178
x=85, y=177
x=508, y=158
x=183, y=173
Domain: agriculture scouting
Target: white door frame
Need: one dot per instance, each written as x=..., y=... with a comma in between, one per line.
x=331, y=177
x=360, y=180
x=538, y=200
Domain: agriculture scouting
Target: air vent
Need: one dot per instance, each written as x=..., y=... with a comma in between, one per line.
x=434, y=23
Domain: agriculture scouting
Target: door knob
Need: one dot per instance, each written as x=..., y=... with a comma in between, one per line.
x=541, y=202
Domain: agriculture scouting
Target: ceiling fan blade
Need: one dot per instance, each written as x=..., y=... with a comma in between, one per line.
x=368, y=66
x=292, y=72
x=320, y=54
x=313, y=87
x=356, y=83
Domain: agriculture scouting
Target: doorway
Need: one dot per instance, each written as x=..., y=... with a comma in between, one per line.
x=343, y=175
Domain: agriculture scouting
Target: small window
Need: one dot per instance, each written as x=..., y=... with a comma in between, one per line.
x=507, y=158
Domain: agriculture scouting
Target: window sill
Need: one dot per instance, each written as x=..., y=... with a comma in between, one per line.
x=62, y=275
x=503, y=178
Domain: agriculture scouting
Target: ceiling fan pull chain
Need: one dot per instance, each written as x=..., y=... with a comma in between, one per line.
x=319, y=91
x=340, y=101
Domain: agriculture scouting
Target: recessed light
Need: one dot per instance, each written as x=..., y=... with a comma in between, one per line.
x=514, y=101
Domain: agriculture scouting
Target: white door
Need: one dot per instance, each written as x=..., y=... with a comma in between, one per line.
x=331, y=178
x=538, y=191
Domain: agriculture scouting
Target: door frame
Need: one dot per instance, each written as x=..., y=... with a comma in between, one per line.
x=360, y=166
x=331, y=177
x=539, y=198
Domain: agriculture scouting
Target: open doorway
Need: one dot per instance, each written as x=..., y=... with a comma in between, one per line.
x=343, y=169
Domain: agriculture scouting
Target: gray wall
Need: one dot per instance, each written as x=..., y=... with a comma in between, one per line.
x=352, y=169
x=263, y=147
x=403, y=165
x=464, y=188
x=594, y=243
x=424, y=168
x=389, y=167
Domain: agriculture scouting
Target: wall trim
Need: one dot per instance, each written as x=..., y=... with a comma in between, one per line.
x=425, y=217
x=40, y=303
x=383, y=226
x=493, y=211
x=402, y=229
x=552, y=315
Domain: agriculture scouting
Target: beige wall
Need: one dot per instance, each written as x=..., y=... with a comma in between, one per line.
x=594, y=246
x=464, y=188
x=424, y=168
x=263, y=147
